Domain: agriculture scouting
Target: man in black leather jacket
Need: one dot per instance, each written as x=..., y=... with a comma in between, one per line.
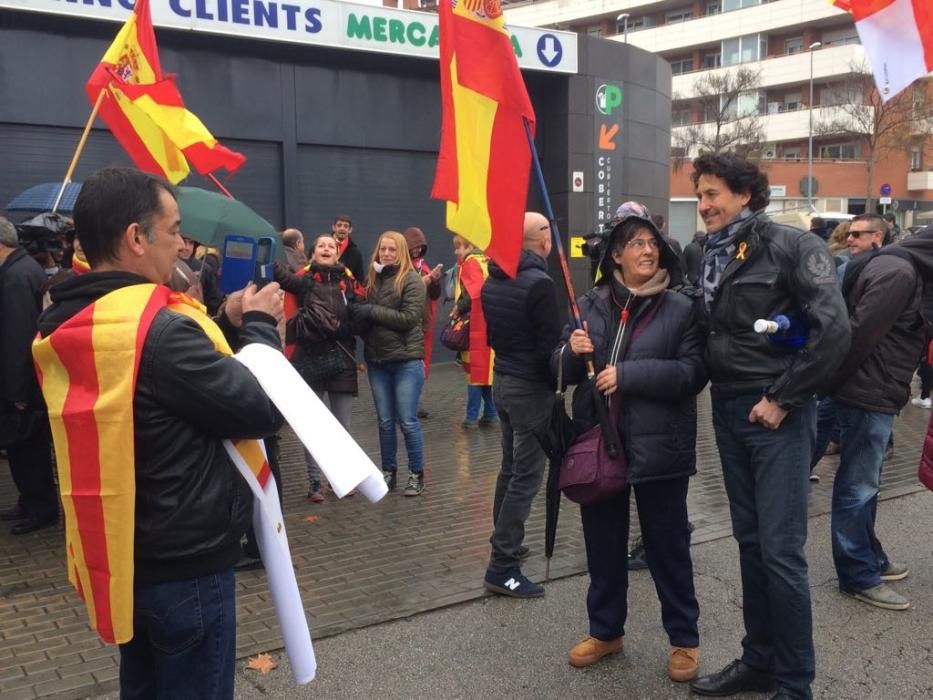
x=763, y=411
x=192, y=507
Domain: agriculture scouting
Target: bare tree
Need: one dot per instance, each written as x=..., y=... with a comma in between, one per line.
x=862, y=118
x=730, y=105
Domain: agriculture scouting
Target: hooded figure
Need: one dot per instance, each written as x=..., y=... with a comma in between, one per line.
x=418, y=247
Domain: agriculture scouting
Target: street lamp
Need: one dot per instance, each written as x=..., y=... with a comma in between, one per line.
x=813, y=47
x=623, y=18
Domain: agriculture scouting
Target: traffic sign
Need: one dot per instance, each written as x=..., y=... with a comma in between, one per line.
x=884, y=200
x=549, y=50
x=886, y=191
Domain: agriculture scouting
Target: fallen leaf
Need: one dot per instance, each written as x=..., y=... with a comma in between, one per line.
x=262, y=663
x=312, y=518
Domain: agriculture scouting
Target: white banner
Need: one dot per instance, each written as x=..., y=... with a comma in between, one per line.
x=328, y=23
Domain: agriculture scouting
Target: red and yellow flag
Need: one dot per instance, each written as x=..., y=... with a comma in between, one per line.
x=87, y=369
x=478, y=361
x=484, y=159
x=144, y=109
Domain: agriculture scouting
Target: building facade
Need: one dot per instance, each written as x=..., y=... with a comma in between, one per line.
x=784, y=49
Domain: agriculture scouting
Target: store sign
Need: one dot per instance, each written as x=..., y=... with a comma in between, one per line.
x=319, y=23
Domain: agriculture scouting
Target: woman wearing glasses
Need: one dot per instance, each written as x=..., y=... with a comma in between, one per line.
x=649, y=357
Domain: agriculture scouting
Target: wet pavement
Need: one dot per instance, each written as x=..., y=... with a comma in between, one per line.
x=357, y=564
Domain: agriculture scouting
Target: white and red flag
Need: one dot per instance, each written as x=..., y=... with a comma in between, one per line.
x=898, y=40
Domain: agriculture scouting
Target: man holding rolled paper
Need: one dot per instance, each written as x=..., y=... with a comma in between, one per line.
x=142, y=391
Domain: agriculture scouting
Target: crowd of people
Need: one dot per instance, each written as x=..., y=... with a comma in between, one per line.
x=804, y=344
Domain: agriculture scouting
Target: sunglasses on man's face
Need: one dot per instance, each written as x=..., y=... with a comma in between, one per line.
x=859, y=234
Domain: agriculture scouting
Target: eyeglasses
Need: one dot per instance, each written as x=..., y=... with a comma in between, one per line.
x=640, y=243
x=858, y=234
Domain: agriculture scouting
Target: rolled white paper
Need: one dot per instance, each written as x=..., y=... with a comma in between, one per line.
x=269, y=528
x=343, y=461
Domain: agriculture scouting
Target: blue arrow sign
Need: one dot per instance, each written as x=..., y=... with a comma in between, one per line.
x=549, y=50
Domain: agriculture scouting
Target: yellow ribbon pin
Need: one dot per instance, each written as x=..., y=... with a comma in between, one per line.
x=740, y=255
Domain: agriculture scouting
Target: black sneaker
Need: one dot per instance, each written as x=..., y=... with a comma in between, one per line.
x=512, y=583
x=415, y=484
x=391, y=479
x=636, y=557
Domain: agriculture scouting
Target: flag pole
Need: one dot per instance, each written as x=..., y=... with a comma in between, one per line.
x=609, y=435
x=213, y=178
x=78, y=150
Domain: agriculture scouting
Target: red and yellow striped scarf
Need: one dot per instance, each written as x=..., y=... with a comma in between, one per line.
x=87, y=369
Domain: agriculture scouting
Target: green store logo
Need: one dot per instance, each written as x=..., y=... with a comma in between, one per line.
x=395, y=31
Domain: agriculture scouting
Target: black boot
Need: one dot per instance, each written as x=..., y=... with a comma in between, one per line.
x=391, y=479
x=737, y=677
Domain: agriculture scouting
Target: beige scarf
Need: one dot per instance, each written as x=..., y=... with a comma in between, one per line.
x=655, y=285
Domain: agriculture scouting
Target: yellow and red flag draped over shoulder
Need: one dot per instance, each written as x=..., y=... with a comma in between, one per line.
x=484, y=159
x=144, y=110
x=478, y=361
x=87, y=369
x=898, y=40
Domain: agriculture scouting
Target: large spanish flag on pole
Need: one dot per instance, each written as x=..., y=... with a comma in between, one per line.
x=144, y=109
x=898, y=40
x=484, y=159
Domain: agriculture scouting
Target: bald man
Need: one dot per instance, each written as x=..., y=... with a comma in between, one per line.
x=294, y=243
x=523, y=327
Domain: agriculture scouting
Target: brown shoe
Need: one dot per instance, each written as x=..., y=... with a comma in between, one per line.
x=591, y=650
x=684, y=664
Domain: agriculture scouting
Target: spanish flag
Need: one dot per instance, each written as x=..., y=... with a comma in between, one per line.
x=484, y=159
x=87, y=370
x=898, y=40
x=144, y=110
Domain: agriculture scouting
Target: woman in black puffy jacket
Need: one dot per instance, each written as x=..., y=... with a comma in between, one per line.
x=649, y=357
x=323, y=333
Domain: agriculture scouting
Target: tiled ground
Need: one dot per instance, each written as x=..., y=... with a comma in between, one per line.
x=357, y=563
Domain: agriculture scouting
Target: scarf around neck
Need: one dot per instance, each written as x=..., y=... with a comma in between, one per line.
x=720, y=249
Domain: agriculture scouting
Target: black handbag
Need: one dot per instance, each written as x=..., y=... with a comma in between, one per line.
x=315, y=368
x=456, y=333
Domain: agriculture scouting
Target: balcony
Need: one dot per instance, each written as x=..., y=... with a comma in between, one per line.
x=788, y=126
x=761, y=19
x=783, y=70
x=920, y=180
x=548, y=13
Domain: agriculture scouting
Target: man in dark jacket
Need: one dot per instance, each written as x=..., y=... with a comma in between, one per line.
x=294, y=243
x=523, y=327
x=883, y=296
x=349, y=254
x=191, y=505
x=24, y=429
x=693, y=258
x=764, y=413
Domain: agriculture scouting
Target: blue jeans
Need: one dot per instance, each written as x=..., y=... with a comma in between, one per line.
x=477, y=395
x=184, y=640
x=396, y=391
x=766, y=476
x=858, y=554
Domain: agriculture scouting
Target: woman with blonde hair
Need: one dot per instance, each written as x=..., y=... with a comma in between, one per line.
x=837, y=240
x=394, y=352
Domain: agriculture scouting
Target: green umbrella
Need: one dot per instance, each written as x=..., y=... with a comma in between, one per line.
x=208, y=217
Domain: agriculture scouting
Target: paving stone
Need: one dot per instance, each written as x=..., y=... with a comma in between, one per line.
x=359, y=563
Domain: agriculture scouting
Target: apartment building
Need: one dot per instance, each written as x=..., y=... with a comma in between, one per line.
x=788, y=44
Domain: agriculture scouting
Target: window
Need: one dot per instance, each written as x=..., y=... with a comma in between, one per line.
x=677, y=16
x=792, y=46
x=594, y=30
x=916, y=158
x=684, y=65
x=713, y=8
x=791, y=102
x=744, y=49
x=834, y=95
x=742, y=105
x=728, y=5
x=792, y=153
x=838, y=37
x=839, y=151
x=712, y=60
x=681, y=117
x=635, y=24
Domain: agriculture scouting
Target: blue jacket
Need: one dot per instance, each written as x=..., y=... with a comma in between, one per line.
x=522, y=318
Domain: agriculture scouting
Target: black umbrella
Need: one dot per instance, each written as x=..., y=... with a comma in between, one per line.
x=555, y=441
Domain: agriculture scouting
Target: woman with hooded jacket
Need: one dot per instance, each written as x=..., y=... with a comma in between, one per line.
x=394, y=351
x=648, y=352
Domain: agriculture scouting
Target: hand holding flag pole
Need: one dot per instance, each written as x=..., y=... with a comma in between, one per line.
x=612, y=445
